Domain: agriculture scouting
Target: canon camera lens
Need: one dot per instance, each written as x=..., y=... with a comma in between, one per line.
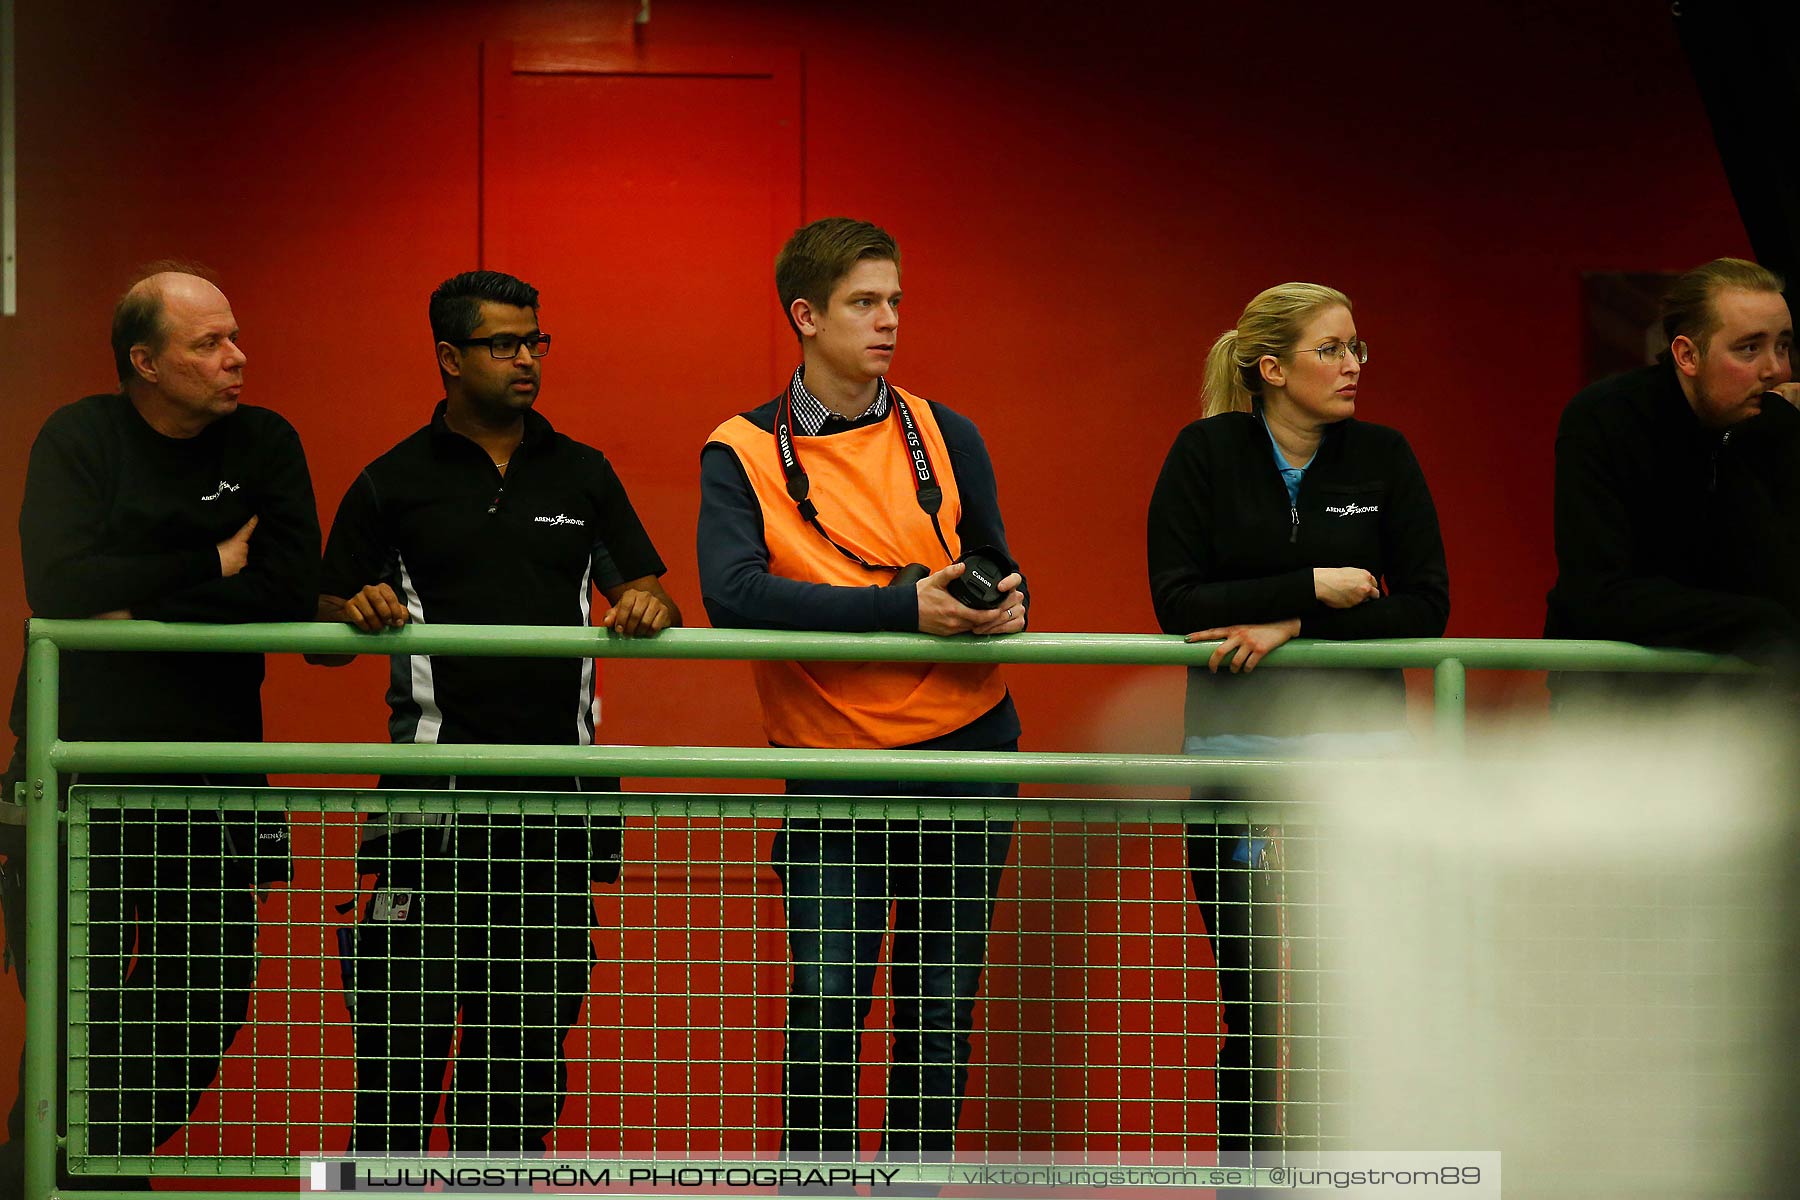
x=979, y=584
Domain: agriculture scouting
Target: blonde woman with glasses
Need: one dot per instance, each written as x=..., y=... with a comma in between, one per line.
x=1281, y=515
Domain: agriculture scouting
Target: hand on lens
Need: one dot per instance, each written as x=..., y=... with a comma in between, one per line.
x=942, y=614
x=1344, y=587
x=1010, y=616
x=1245, y=645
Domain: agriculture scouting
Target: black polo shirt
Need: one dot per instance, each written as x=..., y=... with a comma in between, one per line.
x=461, y=544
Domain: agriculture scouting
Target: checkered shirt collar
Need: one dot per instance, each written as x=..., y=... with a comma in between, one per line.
x=810, y=415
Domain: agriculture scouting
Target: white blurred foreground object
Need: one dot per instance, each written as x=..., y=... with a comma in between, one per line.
x=1577, y=951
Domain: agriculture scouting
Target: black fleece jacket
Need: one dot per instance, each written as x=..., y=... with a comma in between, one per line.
x=1672, y=534
x=1226, y=548
x=121, y=517
x=117, y=516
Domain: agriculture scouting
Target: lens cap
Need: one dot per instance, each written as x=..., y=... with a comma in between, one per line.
x=979, y=584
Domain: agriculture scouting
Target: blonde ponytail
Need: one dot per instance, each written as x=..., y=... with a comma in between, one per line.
x=1223, y=389
x=1271, y=324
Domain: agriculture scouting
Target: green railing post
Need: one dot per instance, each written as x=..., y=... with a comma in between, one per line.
x=43, y=886
x=1450, y=703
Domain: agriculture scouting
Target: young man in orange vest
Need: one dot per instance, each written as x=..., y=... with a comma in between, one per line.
x=845, y=504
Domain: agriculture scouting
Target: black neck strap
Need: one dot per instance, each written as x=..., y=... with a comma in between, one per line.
x=925, y=486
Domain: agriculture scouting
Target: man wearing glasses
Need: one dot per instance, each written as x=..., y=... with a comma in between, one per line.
x=485, y=516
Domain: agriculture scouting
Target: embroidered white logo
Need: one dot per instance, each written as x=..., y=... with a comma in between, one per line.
x=1351, y=510
x=223, y=488
x=559, y=519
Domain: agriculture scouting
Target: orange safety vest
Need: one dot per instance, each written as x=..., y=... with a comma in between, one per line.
x=862, y=483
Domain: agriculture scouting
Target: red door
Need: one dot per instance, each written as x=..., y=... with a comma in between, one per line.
x=645, y=194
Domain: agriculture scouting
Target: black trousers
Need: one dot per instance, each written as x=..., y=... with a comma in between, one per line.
x=496, y=932
x=1257, y=893
x=171, y=958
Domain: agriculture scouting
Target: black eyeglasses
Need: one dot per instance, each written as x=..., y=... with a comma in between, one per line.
x=506, y=345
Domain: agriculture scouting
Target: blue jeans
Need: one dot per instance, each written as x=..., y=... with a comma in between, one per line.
x=840, y=878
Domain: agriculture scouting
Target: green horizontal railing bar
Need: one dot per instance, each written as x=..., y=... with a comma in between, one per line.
x=677, y=762
x=678, y=805
x=1448, y=657
x=1114, y=649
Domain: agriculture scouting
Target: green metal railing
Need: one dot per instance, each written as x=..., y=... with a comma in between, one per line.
x=49, y=757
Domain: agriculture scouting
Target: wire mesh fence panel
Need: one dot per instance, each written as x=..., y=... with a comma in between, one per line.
x=731, y=977
x=1141, y=981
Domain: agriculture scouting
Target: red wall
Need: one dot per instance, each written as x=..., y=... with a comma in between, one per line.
x=1085, y=194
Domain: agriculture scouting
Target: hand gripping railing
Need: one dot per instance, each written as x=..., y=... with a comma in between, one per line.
x=48, y=756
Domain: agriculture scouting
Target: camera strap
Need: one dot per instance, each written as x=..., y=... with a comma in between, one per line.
x=925, y=486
